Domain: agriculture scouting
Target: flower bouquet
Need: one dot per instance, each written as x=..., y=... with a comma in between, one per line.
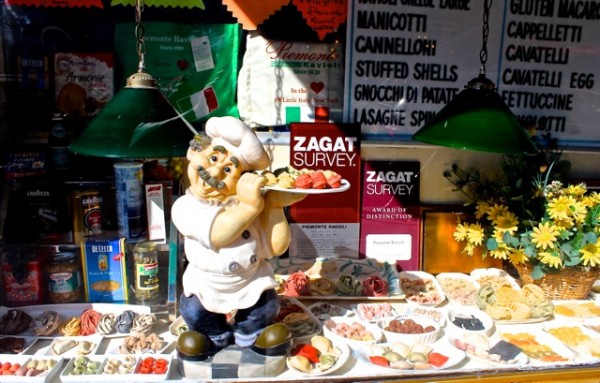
x=547, y=231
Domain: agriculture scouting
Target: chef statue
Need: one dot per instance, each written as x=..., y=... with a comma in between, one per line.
x=231, y=229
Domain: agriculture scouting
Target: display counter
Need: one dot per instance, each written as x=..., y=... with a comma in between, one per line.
x=580, y=368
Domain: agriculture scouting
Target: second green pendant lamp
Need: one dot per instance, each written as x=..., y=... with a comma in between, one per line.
x=477, y=118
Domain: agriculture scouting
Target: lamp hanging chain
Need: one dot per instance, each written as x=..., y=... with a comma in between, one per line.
x=483, y=56
x=139, y=34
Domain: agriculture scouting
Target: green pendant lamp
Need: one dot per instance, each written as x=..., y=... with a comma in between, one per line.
x=477, y=118
x=139, y=121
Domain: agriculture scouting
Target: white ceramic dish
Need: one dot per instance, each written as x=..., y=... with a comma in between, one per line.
x=421, y=288
x=344, y=354
x=28, y=341
x=478, y=351
x=334, y=268
x=373, y=312
x=454, y=355
x=69, y=310
x=345, y=185
x=545, y=342
x=495, y=276
x=459, y=288
x=467, y=312
x=371, y=328
x=428, y=337
x=135, y=376
x=576, y=310
x=79, y=341
x=304, y=330
x=114, y=348
x=588, y=348
x=24, y=360
x=438, y=314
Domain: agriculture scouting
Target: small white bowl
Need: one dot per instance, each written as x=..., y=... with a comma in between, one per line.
x=428, y=337
x=469, y=312
x=349, y=322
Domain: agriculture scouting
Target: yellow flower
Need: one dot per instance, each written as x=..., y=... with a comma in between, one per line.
x=576, y=190
x=495, y=210
x=550, y=259
x=544, y=235
x=579, y=211
x=559, y=208
x=506, y=222
x=475, y=234
x=501, y=252
x=517, y=256
x=481, y=209
x=590, y=254
x=460, y=234
x=469, y=249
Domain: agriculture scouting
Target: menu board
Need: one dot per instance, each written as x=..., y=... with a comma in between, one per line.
x=407, y=59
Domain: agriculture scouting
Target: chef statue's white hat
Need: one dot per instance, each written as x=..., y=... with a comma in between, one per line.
x=239, y=139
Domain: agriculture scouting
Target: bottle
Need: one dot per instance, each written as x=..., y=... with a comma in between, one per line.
x=145, y=258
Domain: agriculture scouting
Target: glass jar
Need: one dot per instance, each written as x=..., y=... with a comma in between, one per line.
x=145, y=256
x=64, y=278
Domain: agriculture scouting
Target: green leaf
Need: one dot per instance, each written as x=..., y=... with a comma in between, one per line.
x=491, y=244
x=537, y=273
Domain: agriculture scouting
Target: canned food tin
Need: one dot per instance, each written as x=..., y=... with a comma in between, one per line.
x=129, y=186
x=88, y=218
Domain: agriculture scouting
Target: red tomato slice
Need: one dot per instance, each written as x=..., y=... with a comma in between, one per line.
x=380, y=360
x=436, y=359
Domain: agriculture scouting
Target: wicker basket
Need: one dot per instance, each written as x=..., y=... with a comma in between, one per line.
x=571, y=283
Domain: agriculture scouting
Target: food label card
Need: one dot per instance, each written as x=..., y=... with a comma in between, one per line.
x=326, y=225
x=390, y=215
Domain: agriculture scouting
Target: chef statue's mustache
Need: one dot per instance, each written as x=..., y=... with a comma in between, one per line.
x=206, y=177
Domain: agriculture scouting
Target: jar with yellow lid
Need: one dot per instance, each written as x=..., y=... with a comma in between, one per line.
x=64, y=277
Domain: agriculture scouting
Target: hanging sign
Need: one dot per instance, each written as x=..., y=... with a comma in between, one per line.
x=406, y=59
x=323, y=16
x=549, y=75
x=404, y=62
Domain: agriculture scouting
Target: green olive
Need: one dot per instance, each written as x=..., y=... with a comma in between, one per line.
x=192, y=343
x=273, y=335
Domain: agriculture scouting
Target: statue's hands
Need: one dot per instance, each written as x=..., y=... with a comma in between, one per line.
x=276, y=198
x=248, y=190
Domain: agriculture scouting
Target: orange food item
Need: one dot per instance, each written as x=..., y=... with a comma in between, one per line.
x=304, y=181
x=318, y=180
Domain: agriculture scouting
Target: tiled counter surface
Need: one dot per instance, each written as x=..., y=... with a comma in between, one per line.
x=355, y=370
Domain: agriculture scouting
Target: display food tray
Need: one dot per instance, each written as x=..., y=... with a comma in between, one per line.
x=69, y=310
x=333, y=268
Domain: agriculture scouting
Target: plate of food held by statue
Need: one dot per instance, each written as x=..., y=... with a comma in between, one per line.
x=305, y=181
x=337, y=278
